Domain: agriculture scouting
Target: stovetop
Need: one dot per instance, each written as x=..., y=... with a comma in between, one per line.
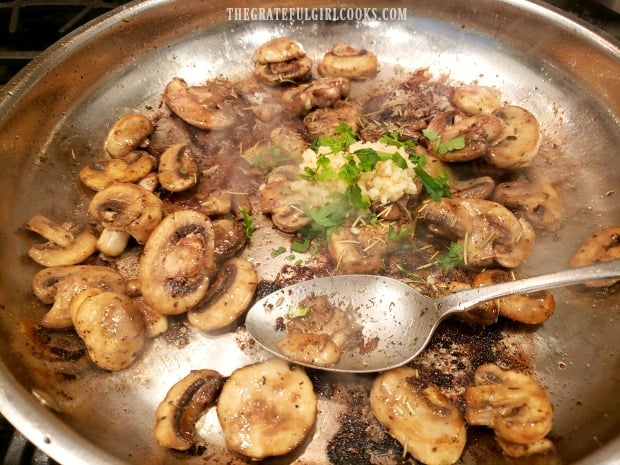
x=27, y=27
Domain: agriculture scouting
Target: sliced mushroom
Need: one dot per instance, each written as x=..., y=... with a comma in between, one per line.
x=64, y=283
x=45, y=283
x=205, y=107
x=66, y=245
x=289, y=218
x=511, y=403
x=315, y=349
x=267, y=409
x=229, y=236
x=130, y=168
x=600, y=246
x=228, y=298
x=178, y=262
x=112, y=329
x=278, y=50
x=361, y=250
x=290, y=141
x=473, y=99
x=318, y=94
x=479, y=131
x=185, y=402
x=127, y=207
x=481, y=315
x=325, y=120
x=518, y=142
x=156, y=324
x=539, y=202
x=178, y=170
x=281, y=60
x=127, y=134
x=476, y=188
x=488, y=231
x=419, y=416
x=534, y=308
x=345, y=61
x=542, y=446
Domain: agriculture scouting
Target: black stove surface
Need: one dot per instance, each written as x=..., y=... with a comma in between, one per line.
x=27, y=27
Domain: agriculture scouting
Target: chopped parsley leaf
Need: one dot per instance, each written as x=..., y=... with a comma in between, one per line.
x=248, y=221
x=452, y=257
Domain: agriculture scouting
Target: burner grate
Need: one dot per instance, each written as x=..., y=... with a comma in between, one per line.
x=27, y=27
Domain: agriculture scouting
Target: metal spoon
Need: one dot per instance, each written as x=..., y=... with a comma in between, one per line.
x=402, y=318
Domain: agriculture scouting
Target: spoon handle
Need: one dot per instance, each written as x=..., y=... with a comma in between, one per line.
x=463, y=300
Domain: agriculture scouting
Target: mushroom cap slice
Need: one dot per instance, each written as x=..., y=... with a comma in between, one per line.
x=229, y=296
x=278, y=50
x=418, y=416
x=297, y=70
x=127, y=134
x=602, y=245
x=518, y=142
x=318, y=94
x=539, y=202
x=201, y=106
x=66, y=246
x=127, y=207
x=69, y=282
x=532, y=308
x=473, y=99
x=348, y=62
x=111, y=327
x=178, y=170
x=131, y=168
x=510, y=402
x=267, y=409
x=178, y=262
x=177, y=414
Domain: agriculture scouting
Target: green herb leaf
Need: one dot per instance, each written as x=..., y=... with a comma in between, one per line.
x=430, y=134
x=248, y=221
x=354, y=194
x=457, y=143
x=301, y=247
x=452, y=257
x=298, y=312
x=397, y=236
x=279, y=251
x=392, y=139
x=435, y=187
x=345, y=137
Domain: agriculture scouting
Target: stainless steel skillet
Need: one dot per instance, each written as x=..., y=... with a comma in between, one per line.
x=56, y=113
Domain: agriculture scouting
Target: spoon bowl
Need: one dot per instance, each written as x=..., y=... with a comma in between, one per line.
x=402, y=319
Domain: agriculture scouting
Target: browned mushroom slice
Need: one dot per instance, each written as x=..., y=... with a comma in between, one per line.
x=473, y=99
x=290, y=141
x=66, y=245
x=131, y=168
x=488, y=231
x=315, y=349
x=230, y=238
x=205, y=107
x=539, y=202
x=127, y=207
x=511, y=403
x=318, y=94
x=156, y=324
x=178, y=170
x=542, y=446
x=178, y=262
x=110, y=326
x=478, y=132
x=281, y=60
x=267, y=409
x=228, y=298
x=127, y=134
x=177, y=414
x=518, y=142
x=361, y=251
x=476, y=188
x=325, y=120
x=601, y=246
x=278, y=50
x=534, y=308
x=348, y=62
x=419, y=416
x=69, y=282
